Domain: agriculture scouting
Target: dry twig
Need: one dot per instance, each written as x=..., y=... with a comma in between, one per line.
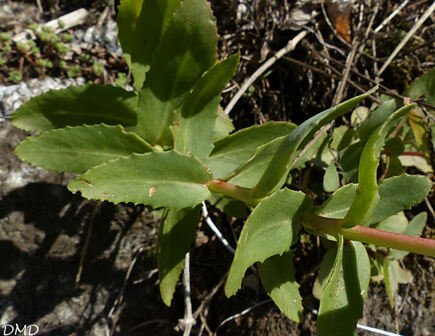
x=402, y=43
x=262, y=69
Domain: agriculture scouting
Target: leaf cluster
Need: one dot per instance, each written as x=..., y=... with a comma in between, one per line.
x=168, y=145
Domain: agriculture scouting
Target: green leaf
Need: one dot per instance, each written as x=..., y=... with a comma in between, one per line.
x=230, y=206
x=393, y=275
x=390, y=280
x=77, y=105
x=338, y=204
x=154, y=118
x=359, y=115
x=350, y=156
x=367, y=196
x=76, y=149
x=199, y=110
x=160, y=179
x=141, y=24
x=416, y=225
x=396, y=223
x=186, y=50
x=331, y=180
x=223, y=126
x=281, y=163
x=271, y=229
x=250, y=172
x=177, y=230
x=277, y=276
x=423, y=86
x=394, y=146
x=393, y=199
x=232, y=151
x=377, y=117
x=418, y=123
x=343, y=295
x=323, y=275
x=394, y=167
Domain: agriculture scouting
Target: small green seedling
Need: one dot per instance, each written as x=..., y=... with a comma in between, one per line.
x=144, y=147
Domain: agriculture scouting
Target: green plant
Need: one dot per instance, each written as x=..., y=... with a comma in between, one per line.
x=73, y=71
x=85, y=58
x=15, y=76
x=6, y=47
x=121, y=79
x=144, y=147
x=61, y=24
x=97, y=68
x=44, y=63
x=5, y=36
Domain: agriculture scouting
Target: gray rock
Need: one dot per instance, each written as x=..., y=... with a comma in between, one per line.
x=13, y=96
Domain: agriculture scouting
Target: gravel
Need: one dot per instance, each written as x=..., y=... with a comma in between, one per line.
x=13, y=96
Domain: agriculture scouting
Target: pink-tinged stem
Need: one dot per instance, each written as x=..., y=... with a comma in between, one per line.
x=392, y=240
x=232, y=190
x=413, y=154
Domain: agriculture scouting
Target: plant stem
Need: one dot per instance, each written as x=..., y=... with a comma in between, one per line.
x=392, y=240
x=232, y=190
x=368, y=235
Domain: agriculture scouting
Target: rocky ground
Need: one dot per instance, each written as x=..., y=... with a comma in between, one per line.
x=75, y=267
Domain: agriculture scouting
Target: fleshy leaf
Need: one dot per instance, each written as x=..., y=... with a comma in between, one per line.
x=396, y=223
x=367, y=196
x=423, y=86
x=393, y=275
x=141, y=24
x=76, y=149
x=394, y=146
x=338, y=204
x=154, y=118
x=390, y=280
x=331, y=180
x=393, y=199
x=160, y=179
x=343, y=296
x=281, y=163
x=417, y=123
x=377, y=117
x=249, y=173
x=186, y=50
x=223, y=126
x=177, y=230
x=230, y=206
x=232, y=151
x=271, y=229
x=199, y=110
x=77, y=105
x=324, y=272
x=277, y=276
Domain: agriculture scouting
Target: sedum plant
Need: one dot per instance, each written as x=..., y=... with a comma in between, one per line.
x=167, y=145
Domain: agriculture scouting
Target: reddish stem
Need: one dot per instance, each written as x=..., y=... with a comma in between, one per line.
x=413, y=154
x=232, y=190
x=392, y=240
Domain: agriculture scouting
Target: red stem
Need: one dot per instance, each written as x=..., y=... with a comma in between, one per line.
x=392, y=240
x=413, y=154
x=232, y=190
